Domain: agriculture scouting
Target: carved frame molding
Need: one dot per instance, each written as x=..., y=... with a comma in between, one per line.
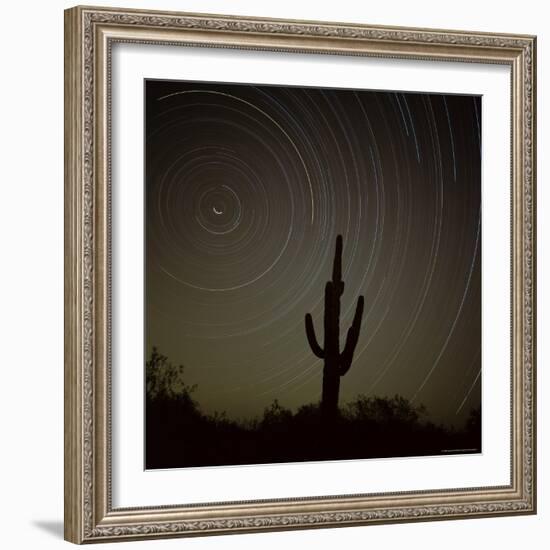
x=89, y=35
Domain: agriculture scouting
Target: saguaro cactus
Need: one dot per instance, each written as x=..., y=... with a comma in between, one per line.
x=336, y=363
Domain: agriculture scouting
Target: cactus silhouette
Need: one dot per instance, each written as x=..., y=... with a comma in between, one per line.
x=336, y=363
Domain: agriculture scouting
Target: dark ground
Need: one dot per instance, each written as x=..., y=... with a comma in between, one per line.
x=179, y=434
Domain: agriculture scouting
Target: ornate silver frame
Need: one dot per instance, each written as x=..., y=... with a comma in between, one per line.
x=89, y=35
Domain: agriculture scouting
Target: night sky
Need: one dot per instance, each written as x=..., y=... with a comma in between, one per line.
x=247, y=188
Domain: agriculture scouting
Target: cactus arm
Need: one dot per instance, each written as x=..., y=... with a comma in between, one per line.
x=312, y=339
x=352, y=337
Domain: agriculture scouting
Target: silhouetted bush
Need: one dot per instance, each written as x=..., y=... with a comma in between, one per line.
x=179, y=434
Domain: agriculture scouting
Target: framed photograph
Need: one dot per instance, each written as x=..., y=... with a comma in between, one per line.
x=300, y=274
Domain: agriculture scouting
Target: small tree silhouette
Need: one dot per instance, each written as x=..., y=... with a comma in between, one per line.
x=336, y=363
x=164, y=381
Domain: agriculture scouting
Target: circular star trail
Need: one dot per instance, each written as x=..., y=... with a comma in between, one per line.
x=246, y=190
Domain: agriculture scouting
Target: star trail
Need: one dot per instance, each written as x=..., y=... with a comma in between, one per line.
x=247, y=187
